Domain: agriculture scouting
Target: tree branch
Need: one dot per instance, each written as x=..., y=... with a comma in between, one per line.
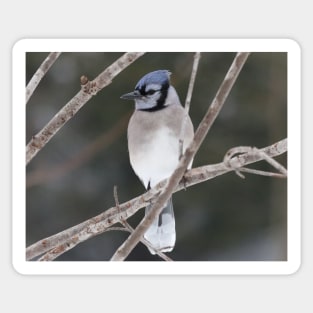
x=40, y=73
x=230, y=153
x=123, y=251
x=188, y=100
x=98, y=224
x=89, y=89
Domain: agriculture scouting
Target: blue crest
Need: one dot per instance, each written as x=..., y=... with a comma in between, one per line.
x=160, y=77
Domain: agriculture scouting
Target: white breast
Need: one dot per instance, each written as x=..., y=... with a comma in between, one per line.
x=157, y=158
x=153, y=142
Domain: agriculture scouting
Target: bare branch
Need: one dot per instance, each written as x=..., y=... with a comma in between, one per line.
x=89, y=89
x=123, y=251
x=192, y=80
x=258, y=172
x=81, y=236
x=237, y=150
x=40, y=73
x=59, y=250
x=272, y=162
x=99, y=223
x=188, y=100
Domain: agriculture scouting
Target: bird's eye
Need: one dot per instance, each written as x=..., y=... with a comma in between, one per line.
x=151, y=92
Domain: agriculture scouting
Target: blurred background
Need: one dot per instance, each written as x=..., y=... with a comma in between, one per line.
x=224, y=219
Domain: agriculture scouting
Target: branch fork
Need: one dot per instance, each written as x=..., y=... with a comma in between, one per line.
x=238, y=169
x=67, y=239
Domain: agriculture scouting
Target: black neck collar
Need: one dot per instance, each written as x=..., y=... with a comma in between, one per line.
x=154, y=109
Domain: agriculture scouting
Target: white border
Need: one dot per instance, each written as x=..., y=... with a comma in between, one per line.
x=156, y=45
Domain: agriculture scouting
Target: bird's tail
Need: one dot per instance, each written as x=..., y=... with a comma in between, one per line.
x=161, y=234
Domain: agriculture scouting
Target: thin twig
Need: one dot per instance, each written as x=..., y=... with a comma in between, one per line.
x=40, y=73
x=258, y=172
x=88, y=90
x=272, y=162
x=188, y=101
x=109, y=217
x=123, y=251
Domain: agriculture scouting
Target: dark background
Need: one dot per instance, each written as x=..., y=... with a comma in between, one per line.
x=72, y=178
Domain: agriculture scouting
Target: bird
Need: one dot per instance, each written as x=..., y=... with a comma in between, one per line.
x=153, y=135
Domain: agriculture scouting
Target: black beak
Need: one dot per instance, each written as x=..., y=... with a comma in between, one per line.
x=131, y=95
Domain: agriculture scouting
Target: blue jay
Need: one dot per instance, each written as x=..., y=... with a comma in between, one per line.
x=153, y=142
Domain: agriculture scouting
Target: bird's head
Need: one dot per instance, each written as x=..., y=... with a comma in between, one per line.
x=151, y=92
